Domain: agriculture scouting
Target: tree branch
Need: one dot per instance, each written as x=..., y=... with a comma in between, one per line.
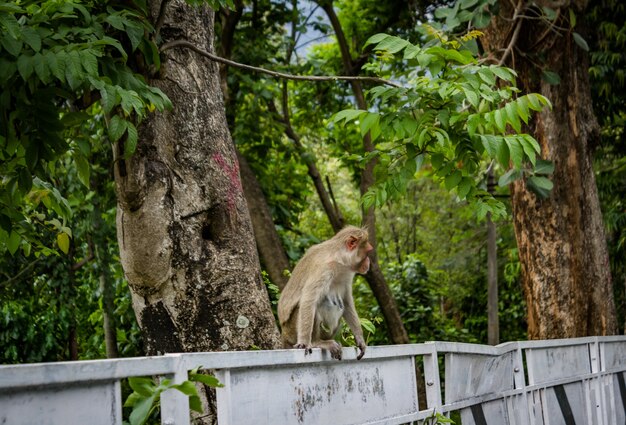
x=191, y=46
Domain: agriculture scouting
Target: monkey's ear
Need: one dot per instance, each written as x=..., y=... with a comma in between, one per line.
x=352, y=243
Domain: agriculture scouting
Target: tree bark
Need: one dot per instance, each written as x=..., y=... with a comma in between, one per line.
x=375, y=277
x=561, y=240
x=185, y=237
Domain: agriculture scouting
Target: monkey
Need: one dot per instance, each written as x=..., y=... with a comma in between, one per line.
x=319, y=293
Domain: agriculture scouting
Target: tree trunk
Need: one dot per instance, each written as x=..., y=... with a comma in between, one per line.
x=493, y=324
x=375, y=277
x=186, y=242
x=273, y=255
x=561, y=240
x=270, y=248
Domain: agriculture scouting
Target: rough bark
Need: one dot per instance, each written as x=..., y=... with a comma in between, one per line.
x=561, y=240
x=185, y=237
x=375, y=277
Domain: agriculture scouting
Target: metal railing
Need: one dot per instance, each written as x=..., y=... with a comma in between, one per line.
x=569, y=381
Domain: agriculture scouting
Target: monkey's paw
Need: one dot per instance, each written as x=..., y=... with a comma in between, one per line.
x=335, y=350
x=361, y=345
x=307, y=348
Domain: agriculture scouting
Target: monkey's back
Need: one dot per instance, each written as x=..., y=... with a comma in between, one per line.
x=301, y=274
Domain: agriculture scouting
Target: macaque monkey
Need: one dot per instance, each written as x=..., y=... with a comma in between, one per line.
x=319, y=293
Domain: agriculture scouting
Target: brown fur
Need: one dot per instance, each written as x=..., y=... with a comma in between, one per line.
x=319, y=293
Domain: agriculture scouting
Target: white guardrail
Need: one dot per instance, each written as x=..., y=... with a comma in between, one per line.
x=568, y=381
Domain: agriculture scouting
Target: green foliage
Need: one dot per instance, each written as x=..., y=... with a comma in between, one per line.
x=450, y=115
x=56, y=60
x=146, y=395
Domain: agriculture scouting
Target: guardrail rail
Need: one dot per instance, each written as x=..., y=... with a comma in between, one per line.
x=555, y=382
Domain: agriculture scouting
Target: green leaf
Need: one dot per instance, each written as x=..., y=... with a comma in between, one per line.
x=131, y=141
x=187, y=388
x=116, y=21
x=74, y=70
x=32, y=38
x=208, y=380
x=522, y=108
x=7, y=69
x=392, y=44
x=11, y=45
x=13, y=242
x=500, y=117
x=502, y=153
x=135, y=34
x=572, y=18
x=143, y=386
x=25, y=66
x=516, y=151
x=376, y=38
x=487, y=76
x=453, y=179
x=551, y=77
x=490, y=143
x=580, y=41
x=89, y=62
x=56, y=63
x=509, y=177
x=141, y=410
x=117, y=127
x=464, y=187
x=347, y=115
x=83, y=168
x=541, y=186
x=41, y=69
x=529, y=148
x=503, y=73
x=369, y=121
x=9, y=22
x=544, y=167
x=63, y=241
x=481, y=19
x=513, y=117
x=471, y=95
x=109, y=97
x=550, y=13
x=11, y=8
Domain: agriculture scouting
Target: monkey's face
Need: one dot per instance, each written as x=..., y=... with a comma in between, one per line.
x=360, y=254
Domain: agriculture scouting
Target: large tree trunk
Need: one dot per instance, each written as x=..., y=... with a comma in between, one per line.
x=186, y=242
x=561, y=239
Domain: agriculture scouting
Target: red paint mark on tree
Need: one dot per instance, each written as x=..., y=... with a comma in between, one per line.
x=232, y=171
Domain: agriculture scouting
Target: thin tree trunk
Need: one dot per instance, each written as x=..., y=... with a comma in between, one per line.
x=561, y=240
x=185, y=237
x=493, y=324
x=375, y=277
x=273, y=255
x=269, y=245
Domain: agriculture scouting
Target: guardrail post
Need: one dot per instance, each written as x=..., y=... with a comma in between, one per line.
x=174, y=404
x=431, y=378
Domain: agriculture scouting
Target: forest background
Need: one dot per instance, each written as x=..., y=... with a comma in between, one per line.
x=82, y=84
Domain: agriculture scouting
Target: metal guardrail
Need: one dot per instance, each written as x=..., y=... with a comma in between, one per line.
x=570, y=381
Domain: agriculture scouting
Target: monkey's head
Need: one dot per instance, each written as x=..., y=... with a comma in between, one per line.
x=357, y=247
